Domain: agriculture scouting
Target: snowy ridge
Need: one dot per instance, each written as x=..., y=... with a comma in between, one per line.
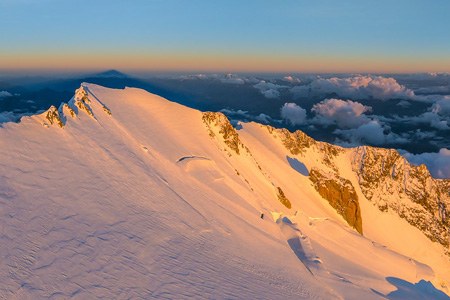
x=137, y=196
x=81, y=102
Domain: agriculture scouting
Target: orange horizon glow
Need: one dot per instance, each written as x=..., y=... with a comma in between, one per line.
x=220, y=62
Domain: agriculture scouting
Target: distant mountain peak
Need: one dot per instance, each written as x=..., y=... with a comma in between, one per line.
x=110, y=74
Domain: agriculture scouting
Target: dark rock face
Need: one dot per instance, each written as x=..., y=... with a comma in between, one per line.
x=341, y=195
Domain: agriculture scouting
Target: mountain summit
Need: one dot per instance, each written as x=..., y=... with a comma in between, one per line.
x=110, y=74
x=120, y=193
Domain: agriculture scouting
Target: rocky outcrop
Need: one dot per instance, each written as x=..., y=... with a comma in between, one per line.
x=66, y=107
x=106, y=110
x=338, y=191
x=298, y=143
x=82, y=101
x=392, y=184
x=341, y=195
x=217, y=120
x=53, y=117
x=282, y=198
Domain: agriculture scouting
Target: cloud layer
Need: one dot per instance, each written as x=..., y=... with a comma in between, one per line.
x=268, y=89
x=372, y=133
x=356, y=87
x=437, y=163
x=353, y=126
x=437, y=116
x=441, y=107
x=245, y=115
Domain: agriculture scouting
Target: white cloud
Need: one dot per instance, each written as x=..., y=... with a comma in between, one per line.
x=345, y=114
x=437, y=163
x=433, y=119
x=4, y=94
x=232, y=79
x=356, y=87
x=442, y=89
x=432, y=98
x=441, y=107
x=238, y=112
x=224, y=78
x=372, y=133
x=438, y=74
x=291, y=79
x=191, y=76
x=271, y=94
x=423, y=135
x=354, y=127
x=243, y=114
x=293, y=114
x=268, y=89
x=263, y=118
x=404, y=103
x=9, y=116
x=437, y=117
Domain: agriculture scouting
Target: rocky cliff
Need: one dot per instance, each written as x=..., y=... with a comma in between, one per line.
x=385, y=178
x=338, y=191
x=341, y=195
x=225, y=129
x=392, y=184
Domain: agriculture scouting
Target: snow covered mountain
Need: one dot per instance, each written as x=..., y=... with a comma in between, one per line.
x=124, y=194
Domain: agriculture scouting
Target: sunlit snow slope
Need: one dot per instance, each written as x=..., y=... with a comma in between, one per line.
x=124, y=194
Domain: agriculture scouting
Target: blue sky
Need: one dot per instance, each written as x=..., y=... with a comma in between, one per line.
x=394, y=34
